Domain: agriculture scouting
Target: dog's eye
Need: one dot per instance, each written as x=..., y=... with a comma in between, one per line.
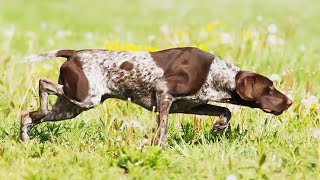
x=268, y=91
x=271, y=91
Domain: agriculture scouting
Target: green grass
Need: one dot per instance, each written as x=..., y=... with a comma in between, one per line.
x=100, y=144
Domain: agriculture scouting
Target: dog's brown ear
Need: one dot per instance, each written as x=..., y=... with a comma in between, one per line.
x=244, y=85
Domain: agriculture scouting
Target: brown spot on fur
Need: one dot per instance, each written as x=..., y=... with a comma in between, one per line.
x=75, y=83
x=185, y=69
x=126, y=66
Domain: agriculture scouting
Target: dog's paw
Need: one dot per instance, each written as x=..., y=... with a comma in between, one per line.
x=221, y=125
x=25, y=123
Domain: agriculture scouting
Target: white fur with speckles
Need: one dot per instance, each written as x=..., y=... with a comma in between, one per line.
x=102, y=69
x=220, y=82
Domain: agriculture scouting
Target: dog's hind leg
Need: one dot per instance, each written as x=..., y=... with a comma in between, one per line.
x=212, y=110
x=61, y=110
x=47, y=87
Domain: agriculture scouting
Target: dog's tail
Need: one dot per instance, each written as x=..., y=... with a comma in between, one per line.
x=50, y=55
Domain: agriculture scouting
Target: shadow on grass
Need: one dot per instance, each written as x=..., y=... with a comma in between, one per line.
x=70, y=131
x=45, y=132
x=187, y=134
x=190, y=136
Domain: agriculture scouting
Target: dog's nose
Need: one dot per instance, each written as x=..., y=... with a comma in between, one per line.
x=289, y=102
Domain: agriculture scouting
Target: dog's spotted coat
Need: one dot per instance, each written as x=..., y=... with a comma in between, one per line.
x=106, y=76
x=220, y=81
x=178, y=80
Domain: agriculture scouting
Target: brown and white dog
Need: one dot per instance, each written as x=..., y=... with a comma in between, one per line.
x=178, y=80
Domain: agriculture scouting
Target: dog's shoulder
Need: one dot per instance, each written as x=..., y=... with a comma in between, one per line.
x=185, y=69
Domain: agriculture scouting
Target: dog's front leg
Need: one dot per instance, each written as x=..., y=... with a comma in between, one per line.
x=212, y=110
x=164, y=102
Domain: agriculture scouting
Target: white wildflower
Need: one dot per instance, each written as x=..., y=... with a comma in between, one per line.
x=275, y=77
x=30, y=44
x=204, y=35
x=44, y=26
x=242, y=46
x=284, y=73
x=31, y=34
x=272, y=28
x=88, y=35
x=60, y=33
x=281, y=41
x=290, y=145
x=259, y=18
x=117, y=29
x=164, y=29
x=316, y=134
x=63, y=33
x=9, y=33
x=255, y=33
x=151, y=37
x=302, y=47
x=226, y=38
x=309, y=101
x=272, y=39
x=255, y=43
x=231, y=177
x=50, y=41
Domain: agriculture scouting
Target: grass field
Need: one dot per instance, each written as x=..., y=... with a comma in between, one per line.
x=279, y=39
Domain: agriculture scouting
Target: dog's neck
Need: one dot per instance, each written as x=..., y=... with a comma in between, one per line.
x=223, y=74
x=220, y=84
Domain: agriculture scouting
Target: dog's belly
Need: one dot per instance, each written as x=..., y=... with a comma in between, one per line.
x=144, y=100
x=148, y=101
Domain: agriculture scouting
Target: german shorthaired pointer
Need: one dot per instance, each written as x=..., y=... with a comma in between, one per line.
x=178, y=80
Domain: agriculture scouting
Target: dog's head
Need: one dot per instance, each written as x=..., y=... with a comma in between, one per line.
x=259, y=90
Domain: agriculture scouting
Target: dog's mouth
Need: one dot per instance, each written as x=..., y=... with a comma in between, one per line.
x=267, y=110
x=271, y=111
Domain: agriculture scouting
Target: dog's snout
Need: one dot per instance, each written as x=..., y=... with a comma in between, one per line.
x=289, y=102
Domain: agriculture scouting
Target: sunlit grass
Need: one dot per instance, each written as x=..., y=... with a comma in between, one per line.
x=111, y=140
